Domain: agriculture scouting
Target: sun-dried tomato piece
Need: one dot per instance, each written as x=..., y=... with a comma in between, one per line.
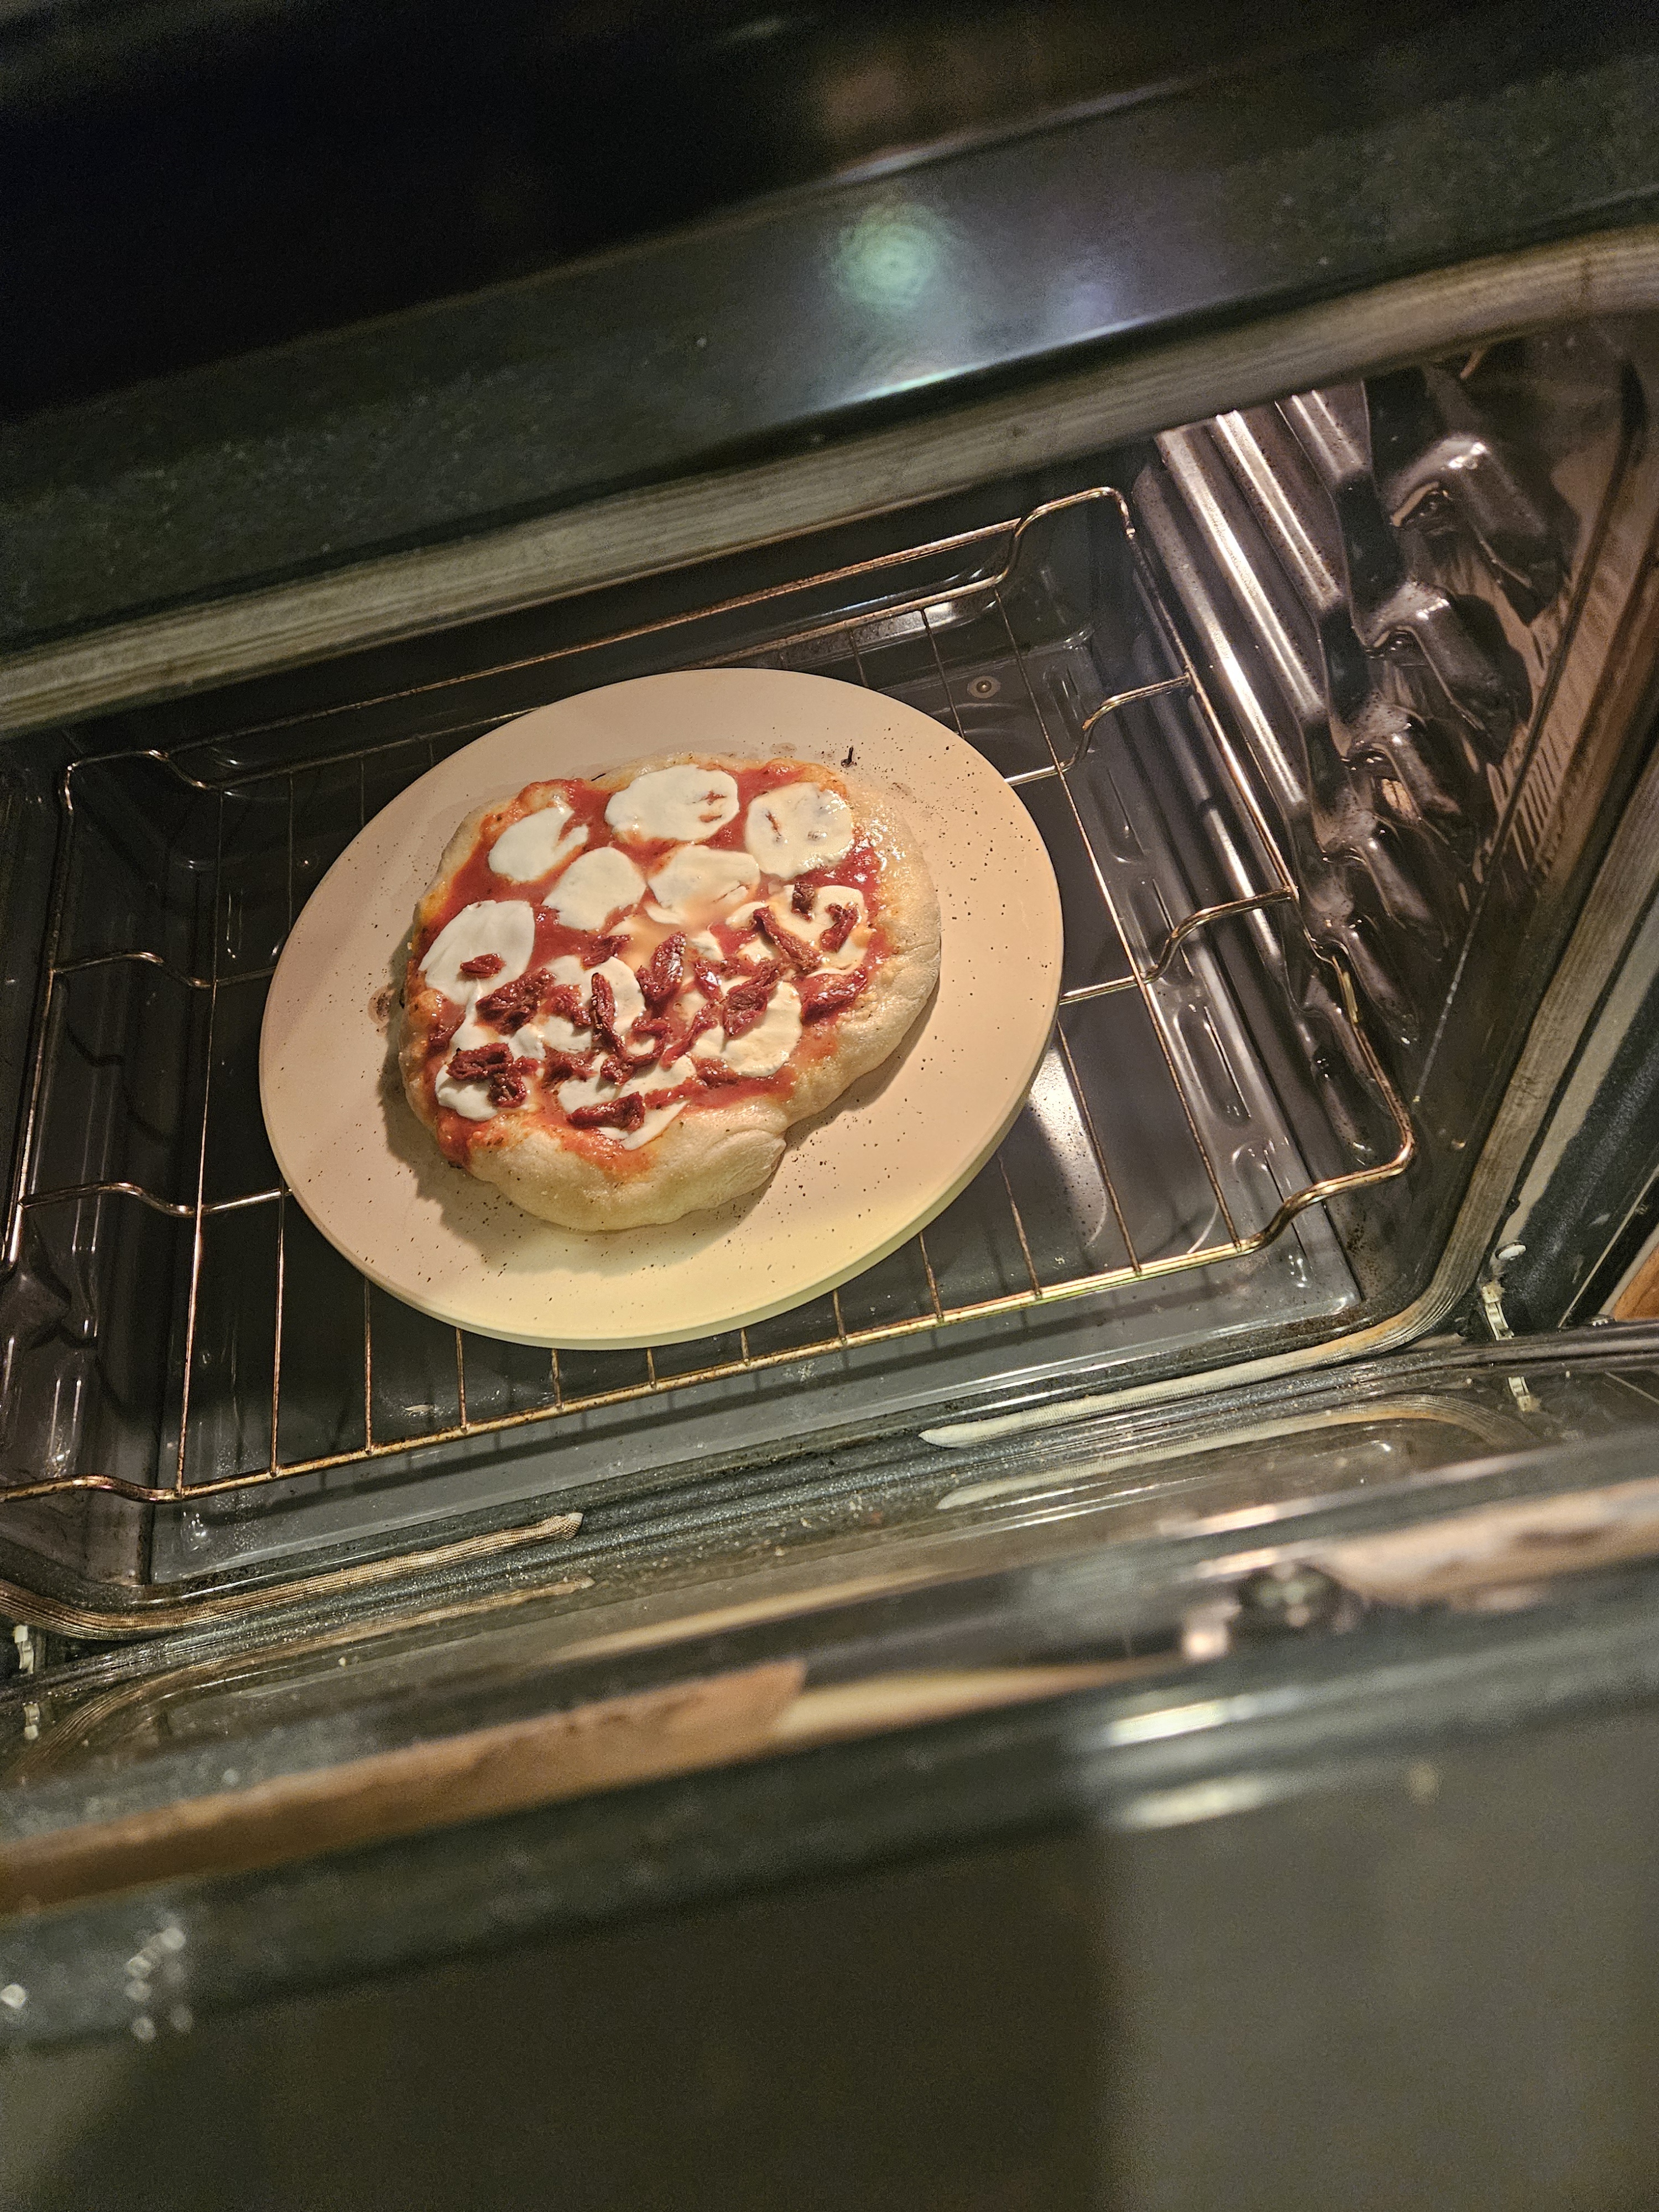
x=601, y=950
x=745, y=1003
x=843, y=920
x=565, y=1000
x=602, y=1012
x=615, y=1069
x=480, y=1064
x=445, y=1028
x=660, y=978
x=705, y=1019
x=627, y=1113
x=482, y=964
x=507, y=1089
x=708, y=981
x=514, y=1002
x=653, y=1032
x=742, y=1010
x=711, y=1072
x=806, y=889
x=829, y=995
x=800, y=958
x=560, y=1066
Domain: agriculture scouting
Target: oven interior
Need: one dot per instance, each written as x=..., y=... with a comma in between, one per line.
x=1325, y=710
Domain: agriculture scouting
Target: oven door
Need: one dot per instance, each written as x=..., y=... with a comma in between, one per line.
x=1207, y=1818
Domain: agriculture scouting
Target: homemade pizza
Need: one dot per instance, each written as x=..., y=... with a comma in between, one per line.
x=622, y=992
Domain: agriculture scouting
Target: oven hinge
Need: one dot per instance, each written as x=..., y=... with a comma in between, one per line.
x=1492, y=1305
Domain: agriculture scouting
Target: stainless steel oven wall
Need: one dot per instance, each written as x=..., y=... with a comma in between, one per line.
x=1425, y=603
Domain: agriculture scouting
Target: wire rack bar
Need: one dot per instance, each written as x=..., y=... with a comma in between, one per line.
x=193, y=1294
x=277, y=1342
x=182, y=976
x=926, y=615
x=177, y=1209
x=1102, y=884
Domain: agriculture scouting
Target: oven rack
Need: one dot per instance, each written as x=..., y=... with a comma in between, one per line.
x=991, y=642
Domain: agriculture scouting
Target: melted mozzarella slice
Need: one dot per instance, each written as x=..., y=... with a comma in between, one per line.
x=470, y=1100
x=506, y=927
x=560, y=1035
x=593, y=888
x=806, y=929
x=693, y=884
x=686, y=804
x=819, y=919
x=798, y=828
x=568, y=1036
x=594, y=1091
x=657, y=1118
x=585, y=1090
x=625, y=990
x=763, y=1050
x=534, y=847
x=660, y=1078
x=752, y=948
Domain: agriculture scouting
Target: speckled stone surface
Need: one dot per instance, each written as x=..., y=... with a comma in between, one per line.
x=793, y=320
x=853, y=1183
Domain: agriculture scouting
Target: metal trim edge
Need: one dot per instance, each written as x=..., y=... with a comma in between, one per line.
x=637, y=534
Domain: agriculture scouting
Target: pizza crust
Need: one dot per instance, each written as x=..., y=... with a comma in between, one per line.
x=714, y=1151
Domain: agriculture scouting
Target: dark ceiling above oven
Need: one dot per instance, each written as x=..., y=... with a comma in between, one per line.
x=197, y=178
x=727, y=233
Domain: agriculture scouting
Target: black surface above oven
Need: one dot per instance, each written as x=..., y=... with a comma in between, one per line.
x=1189, y=189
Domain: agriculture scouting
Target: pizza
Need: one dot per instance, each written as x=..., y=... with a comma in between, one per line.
x=621, y=992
